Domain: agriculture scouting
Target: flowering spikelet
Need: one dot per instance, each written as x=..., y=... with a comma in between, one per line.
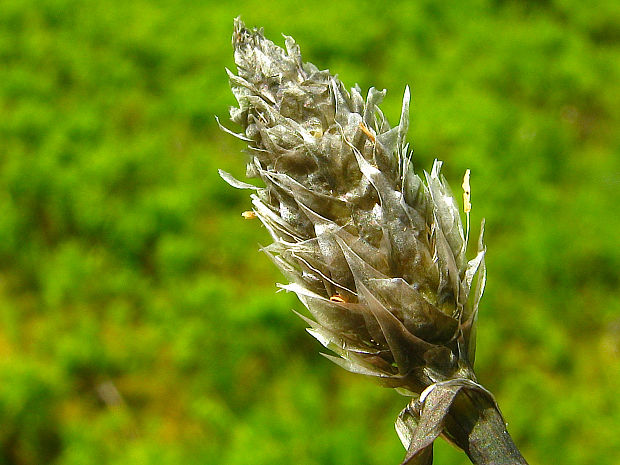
x=375, y=253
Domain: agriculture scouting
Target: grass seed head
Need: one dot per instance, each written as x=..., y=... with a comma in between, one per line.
x=375, y=252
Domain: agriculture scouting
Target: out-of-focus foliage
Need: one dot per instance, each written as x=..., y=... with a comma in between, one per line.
x=138, y=323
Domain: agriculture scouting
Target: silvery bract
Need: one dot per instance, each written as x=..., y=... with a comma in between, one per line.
x=376, y=253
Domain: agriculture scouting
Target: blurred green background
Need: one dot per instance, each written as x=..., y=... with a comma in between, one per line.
x=138, y=322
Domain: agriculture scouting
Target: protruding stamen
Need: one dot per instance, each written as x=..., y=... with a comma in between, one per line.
x=466, y=192
x=369, y=134
x=466, y=202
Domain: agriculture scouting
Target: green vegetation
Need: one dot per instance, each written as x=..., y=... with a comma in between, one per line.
x=138, y=322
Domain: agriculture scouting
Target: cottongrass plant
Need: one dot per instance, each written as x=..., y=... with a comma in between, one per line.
x=375, y=252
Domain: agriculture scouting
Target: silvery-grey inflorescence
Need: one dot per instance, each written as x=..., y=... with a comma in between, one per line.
x=375, y=252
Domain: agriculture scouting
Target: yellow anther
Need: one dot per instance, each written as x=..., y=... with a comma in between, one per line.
x=466, y=193
x=366, y=131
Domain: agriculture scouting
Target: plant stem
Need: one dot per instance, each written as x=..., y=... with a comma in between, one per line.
x=476, y=426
